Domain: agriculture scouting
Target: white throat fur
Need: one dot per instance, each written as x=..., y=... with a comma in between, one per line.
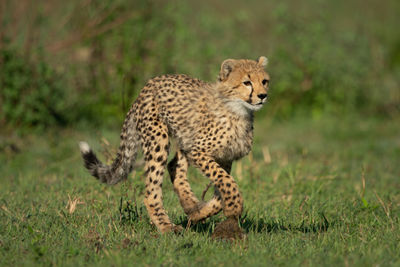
x=242, y=108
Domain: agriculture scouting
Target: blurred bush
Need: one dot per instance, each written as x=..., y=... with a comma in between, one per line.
x=68, y=62
x=31, y=94
x=334, y=58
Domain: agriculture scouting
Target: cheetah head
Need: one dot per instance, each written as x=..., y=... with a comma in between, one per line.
x=244, y=84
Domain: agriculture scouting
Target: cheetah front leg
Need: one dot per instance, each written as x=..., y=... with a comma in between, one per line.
x=195, y=209
x=214, y=205
x=231, y=199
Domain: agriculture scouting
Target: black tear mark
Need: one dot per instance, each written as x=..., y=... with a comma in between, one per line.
x=251, y=95
x=252, y=90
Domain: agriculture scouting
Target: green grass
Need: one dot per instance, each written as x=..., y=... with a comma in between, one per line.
x=330, y=195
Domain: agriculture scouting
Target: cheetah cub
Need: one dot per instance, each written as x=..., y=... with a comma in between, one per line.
x=213, y=126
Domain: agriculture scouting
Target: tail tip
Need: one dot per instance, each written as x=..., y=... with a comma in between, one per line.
x=84, y=147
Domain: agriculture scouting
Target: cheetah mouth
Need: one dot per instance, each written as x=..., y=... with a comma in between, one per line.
x=259, y=104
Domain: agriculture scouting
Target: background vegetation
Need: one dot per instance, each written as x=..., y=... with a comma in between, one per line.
x=71, y=61
x=321, y=186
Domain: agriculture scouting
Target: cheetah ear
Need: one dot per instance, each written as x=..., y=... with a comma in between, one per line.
x=262, y=61
x=226, y=69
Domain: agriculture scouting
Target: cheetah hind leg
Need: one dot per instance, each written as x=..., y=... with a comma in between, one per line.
x=156, y=153
x=196, y=210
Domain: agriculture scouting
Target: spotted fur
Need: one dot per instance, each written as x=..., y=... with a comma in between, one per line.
x=213, y=126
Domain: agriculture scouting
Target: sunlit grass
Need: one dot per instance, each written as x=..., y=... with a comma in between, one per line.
x=316, y=193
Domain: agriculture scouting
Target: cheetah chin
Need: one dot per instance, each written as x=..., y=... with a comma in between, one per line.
x=252, y=107
x=244, y=108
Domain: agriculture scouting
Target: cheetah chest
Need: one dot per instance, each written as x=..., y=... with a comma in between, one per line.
x=236, y=138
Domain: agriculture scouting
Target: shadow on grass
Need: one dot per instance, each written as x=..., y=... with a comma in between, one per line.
x=201, y=227
x=261, y=225
x=130, y=213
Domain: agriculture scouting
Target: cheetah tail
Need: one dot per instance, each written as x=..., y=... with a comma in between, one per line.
x=121, y=166
x=108, y=174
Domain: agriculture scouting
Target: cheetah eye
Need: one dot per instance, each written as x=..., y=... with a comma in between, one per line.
x=265, y=81
x=247, y=83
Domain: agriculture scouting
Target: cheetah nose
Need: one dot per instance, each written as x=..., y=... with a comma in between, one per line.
x=262, y=96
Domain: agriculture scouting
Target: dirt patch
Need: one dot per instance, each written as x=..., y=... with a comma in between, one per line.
x=228, y=230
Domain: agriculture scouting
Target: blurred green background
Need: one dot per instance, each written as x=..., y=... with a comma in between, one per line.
x=69, y=63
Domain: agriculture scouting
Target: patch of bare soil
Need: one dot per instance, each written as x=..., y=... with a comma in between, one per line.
x=228, y=230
